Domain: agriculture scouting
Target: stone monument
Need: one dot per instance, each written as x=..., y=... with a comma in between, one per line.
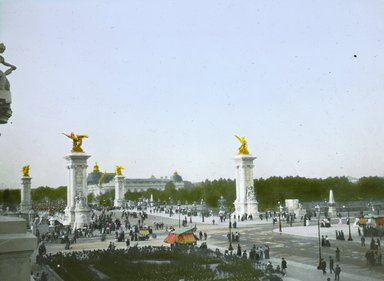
x=245, y=203
x=119, y=187
x=5, y=91
x=82, y=211
x=77, y=182
x=16, y=245
x=25, y=204
x=331, y=205
x=16, y=248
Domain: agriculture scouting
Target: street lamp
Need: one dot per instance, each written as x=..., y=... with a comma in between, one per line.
x=178, y=207
x=318, y=235
x=279, y=217
x=202, y=211
x=230, y=248
x=349, y=225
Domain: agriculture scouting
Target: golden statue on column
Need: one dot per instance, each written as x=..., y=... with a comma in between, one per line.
x=77, y=141
x=118, y=170
x=243, y=149
x=25, y=171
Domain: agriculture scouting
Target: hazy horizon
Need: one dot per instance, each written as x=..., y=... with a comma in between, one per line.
x=160, y=86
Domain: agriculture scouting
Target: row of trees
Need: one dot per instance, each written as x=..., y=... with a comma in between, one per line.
x=268, y=192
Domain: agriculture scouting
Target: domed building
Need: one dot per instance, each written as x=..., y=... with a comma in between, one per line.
x=99, y=183
x=176, y=177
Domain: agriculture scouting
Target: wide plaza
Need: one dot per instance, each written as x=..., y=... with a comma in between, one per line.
x=298, y=244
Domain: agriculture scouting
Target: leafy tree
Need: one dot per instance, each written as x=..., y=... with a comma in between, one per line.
x=106, y=199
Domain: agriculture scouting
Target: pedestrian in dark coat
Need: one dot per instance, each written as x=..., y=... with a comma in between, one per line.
x=324, y=266
x=337, y=254
x=238, y=250
x=331, y=265
x=337, y=272
x=283, y=266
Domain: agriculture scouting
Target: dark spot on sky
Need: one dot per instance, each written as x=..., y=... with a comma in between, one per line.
x=355, y=56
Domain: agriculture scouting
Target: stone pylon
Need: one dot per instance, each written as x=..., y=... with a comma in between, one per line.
x=77, y=183
x=119, y=191
x=25, y=203
x=331, y=205
x=245, y=202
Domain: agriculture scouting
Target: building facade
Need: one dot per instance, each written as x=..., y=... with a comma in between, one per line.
x=100, y=183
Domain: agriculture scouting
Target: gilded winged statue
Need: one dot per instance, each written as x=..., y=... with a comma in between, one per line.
x=243, y=149
x=77, y=141
x=25, y=171
x=118, y=170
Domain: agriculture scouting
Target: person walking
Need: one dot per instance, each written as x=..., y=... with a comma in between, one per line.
x=362, y=240
x=239, y=250
x=337, y=272
x=337, y=254
x=323, y=266
x=284, y=266
x=331, y=265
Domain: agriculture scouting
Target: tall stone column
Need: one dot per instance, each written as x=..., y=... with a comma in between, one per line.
x=245, y=202
x=119, y=191
x=25, y=203
x=77, y=183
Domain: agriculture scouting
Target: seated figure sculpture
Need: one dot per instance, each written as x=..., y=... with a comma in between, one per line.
x=5, y=93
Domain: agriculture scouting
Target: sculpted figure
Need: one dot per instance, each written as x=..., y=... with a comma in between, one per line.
x=80, y=201
x=25, y=171
x=4, y=83
x=243, y=149
x=251, y=193
x=118, y=170
x=77, y=141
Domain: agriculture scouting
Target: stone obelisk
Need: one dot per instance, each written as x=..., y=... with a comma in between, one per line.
x=331, y=205
x=25, y=202
x=77, y=180
x=245, y=203
x=119, y=188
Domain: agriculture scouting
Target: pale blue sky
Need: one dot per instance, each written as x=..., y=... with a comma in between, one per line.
x=164, y=85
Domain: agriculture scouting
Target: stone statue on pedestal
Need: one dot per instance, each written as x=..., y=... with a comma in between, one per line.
x=251, y=193
x=4, y=83
x=80, y=201
x=5, y=93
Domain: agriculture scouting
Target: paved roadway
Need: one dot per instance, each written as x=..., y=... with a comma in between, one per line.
x=297, y=244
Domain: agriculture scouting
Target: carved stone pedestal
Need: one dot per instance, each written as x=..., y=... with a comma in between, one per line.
x=16, y=248
x=245, y=203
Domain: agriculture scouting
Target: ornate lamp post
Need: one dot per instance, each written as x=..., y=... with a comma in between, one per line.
x=178, y=208
x=230, y=248
x=318, y=235
x=279, y=217
x=202, y=210
x=349, y=224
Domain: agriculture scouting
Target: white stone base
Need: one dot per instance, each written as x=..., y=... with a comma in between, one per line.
x=16, y=248
x=253, y=209
x=25, y=207
x=119, y=203
x=332, y=212
x=82, y=218
x=69, y=216
x=249, y=208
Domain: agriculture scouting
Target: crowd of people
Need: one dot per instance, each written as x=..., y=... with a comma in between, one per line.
x=151, y=263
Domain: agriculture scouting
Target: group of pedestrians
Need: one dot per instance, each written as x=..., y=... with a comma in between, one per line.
x=332, y=269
